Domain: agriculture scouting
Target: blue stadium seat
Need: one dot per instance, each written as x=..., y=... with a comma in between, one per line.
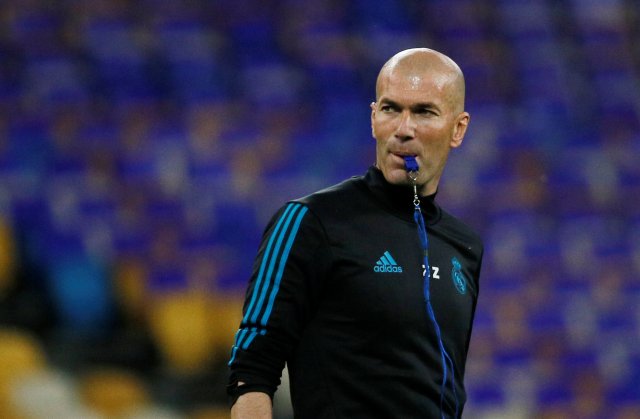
x=124, y=129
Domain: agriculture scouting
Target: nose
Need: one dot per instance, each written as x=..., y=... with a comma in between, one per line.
x=406, y=129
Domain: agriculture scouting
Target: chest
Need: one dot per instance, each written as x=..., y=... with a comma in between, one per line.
x=376, y=280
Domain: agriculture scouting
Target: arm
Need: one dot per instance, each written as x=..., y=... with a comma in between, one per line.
x=281, y=297
x=254, y=405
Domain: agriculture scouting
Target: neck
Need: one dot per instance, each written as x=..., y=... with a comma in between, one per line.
x=429, y=187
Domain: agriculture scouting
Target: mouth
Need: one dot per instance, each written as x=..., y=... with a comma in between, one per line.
x=403, y=154
x=399, y=156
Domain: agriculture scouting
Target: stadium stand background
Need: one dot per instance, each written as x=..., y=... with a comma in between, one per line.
x=144, y=144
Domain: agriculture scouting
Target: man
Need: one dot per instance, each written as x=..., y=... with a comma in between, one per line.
x=337, y=288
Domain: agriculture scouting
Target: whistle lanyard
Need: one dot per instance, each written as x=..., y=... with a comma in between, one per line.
x=447, y=362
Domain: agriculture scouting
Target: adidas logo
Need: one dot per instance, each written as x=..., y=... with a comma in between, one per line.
x=387, y=264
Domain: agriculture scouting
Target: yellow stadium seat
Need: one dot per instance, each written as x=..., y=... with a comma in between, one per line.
x=194, y=328
x=181, y=326
x=113, y=392
x=20, y=355
x=226, y=314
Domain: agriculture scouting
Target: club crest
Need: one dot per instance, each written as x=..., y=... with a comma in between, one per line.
x=458, y=278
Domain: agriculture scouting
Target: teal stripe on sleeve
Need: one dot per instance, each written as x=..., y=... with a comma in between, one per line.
x=283, y=262
x=240, y=334
x=274, y=259
x=272, y=263
x=265, y=258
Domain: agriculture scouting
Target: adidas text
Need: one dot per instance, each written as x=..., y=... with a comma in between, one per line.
x=388, y=268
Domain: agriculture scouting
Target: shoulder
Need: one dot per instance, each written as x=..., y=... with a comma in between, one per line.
x=317, y=210
x=330, y=197
x=460, y=231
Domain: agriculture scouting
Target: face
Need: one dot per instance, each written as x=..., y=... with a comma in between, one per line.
x=416, y=114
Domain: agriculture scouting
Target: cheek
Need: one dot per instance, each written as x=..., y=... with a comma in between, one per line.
x=381, y=147
x=435, y=137
x=383, y=126
x=435, y=144
x=381, y=135
x=376, y=128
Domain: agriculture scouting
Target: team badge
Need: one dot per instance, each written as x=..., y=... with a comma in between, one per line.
x=459, y=280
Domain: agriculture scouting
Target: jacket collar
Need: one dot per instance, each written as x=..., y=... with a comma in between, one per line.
x=398, y=199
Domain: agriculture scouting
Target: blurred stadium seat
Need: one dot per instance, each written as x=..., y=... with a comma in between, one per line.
x=21, y=355
x=113, y=392
x=8, y=256
x=183, y=329
x=48, y=394
x=144, y=145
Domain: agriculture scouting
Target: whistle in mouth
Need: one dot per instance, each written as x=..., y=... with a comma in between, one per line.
x=410, y=164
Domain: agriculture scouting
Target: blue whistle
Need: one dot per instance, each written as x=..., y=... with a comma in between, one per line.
x=410, y=164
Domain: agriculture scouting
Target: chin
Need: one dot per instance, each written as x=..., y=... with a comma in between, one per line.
x=396, y=176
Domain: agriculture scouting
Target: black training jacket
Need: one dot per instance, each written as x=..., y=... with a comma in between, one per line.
x=337, y=293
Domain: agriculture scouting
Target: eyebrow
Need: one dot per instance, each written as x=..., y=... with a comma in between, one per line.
x=419, y=105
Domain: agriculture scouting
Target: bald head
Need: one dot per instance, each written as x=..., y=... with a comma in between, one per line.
x=418, y=63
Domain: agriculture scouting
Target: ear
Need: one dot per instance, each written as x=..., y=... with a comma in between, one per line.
x=373, y=115
x=459, y=129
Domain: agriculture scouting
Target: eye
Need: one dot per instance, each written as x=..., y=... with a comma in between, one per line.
x=426, y=112
x=388, y=108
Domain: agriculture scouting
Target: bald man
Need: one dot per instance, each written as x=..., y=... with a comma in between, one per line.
x=370, y=323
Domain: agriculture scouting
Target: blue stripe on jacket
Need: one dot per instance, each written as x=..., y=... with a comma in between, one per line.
x=273, y=258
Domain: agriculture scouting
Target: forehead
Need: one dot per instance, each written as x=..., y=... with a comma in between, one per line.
x=415, y=85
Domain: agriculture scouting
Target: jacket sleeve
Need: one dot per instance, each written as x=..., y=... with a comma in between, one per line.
x=281, y=297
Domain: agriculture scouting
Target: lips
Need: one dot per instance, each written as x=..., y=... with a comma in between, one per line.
x=403, y=154
x=399, y=156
